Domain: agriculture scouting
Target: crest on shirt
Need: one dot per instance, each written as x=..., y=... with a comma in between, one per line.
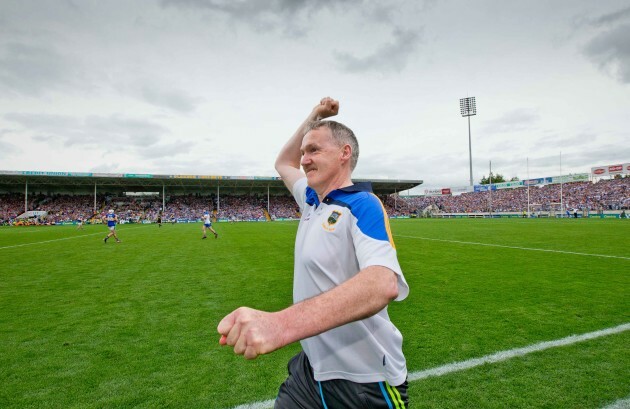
x=332, y=219
x=334, y=216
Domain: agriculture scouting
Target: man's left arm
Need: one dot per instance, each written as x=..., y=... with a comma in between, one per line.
x=253, y=332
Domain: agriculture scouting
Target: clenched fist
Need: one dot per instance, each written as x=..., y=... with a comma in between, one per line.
x=251, y=332
x=327, y=107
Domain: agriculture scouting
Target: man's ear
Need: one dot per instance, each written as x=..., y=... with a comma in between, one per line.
x=346, y=152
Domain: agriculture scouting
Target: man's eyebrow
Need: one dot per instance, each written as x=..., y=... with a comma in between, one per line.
x=308, y=145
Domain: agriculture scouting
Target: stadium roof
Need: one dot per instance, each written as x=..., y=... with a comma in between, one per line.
x=172, y=184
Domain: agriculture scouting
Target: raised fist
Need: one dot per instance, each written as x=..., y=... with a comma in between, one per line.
x=327, y=107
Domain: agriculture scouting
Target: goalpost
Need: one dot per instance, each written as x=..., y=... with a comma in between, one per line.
x=539, y=210
x=556, y=209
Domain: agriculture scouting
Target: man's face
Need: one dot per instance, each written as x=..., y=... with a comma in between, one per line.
x=321, y=158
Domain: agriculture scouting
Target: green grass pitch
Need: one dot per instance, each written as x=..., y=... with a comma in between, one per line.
x=85, y=324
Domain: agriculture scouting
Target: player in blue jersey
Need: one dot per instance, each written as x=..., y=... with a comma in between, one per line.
x=111, y=219
x=346, y=272
x=207, y=224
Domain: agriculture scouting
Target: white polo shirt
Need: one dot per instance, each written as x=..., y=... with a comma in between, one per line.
x=345, y=233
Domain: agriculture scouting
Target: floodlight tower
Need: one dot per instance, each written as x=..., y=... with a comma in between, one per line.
x=468, y=108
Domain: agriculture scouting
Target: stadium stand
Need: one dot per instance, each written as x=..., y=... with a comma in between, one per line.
x=605, y=195
x=67, y=208
x=589, y=198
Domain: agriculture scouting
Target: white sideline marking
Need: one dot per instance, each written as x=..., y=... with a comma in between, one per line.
x=513, y=247
x=511, y=353
x=257, y=405
x=489, y=359
x=620, y=404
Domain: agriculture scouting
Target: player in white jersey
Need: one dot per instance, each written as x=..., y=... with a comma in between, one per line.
x=346, y=272
x=207, y=224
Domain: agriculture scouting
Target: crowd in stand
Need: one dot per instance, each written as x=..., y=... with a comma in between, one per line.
x=69, y=208
x=604, y=195
x=613, y=194
x=241, y=208
x=10, y=205
x=65, y=208
x=284, y=207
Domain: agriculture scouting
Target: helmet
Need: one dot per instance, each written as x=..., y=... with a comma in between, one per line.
x=111, y=211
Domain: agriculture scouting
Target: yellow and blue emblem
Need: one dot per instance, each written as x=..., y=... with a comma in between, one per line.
x=332, y=219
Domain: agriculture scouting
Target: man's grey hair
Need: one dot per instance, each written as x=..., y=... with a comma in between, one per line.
x=342, y=135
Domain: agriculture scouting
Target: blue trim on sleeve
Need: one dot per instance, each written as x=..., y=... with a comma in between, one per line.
x=366, y=207
x=371, y=218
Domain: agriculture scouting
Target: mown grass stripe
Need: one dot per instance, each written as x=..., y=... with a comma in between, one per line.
x=49, y=241
x=103, y=233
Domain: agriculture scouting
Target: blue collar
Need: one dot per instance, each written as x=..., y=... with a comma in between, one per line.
x=357, y=187
x=313, y=200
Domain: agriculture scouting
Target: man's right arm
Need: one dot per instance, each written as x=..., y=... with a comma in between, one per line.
x=288, y=160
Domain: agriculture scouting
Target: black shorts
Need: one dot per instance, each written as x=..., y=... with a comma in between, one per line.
x=302, y=391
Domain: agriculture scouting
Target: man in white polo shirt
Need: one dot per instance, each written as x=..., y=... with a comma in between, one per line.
x=346, y=272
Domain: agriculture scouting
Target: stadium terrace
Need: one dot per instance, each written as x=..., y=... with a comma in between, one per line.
x=64, y=197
